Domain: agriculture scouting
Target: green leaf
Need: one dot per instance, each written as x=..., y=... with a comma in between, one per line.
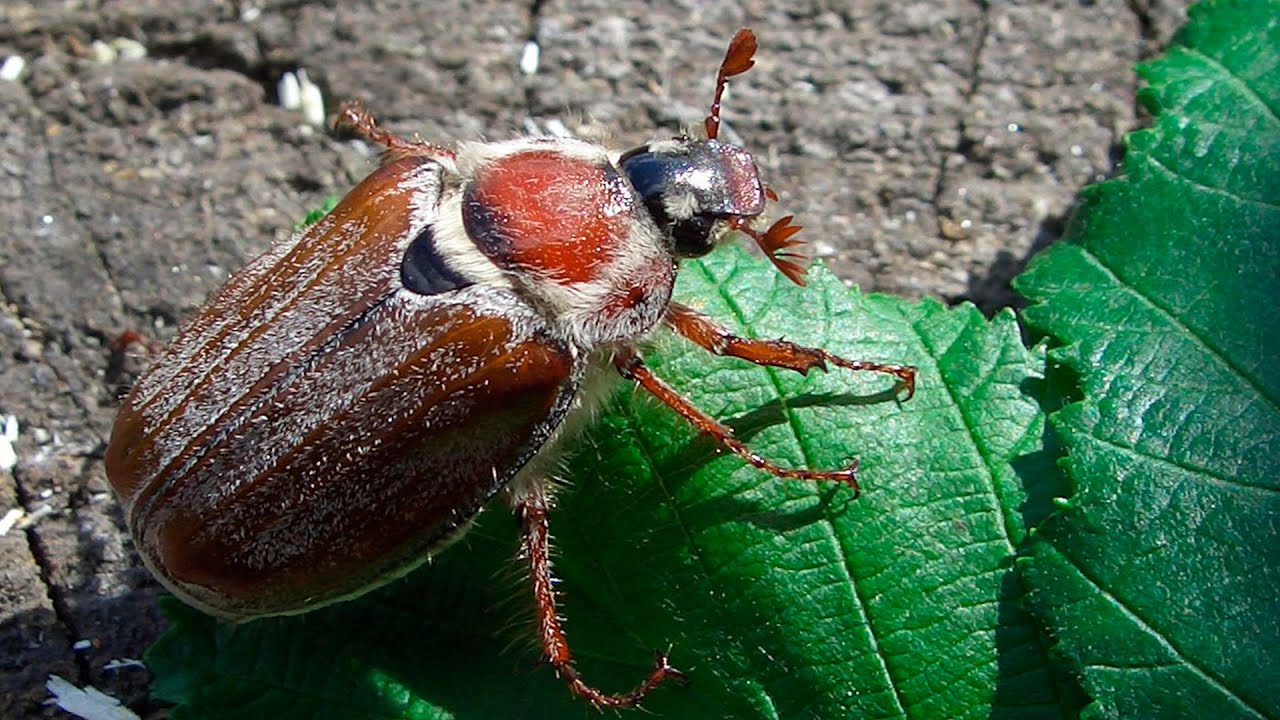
x=1160, y=576
x=778, y=598
x=329, y=203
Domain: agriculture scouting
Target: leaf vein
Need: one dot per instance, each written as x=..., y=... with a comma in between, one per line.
x=1205, y=472
x=1176, y=322
x=1202, y=187
x=846, y=564
x=1151, y=631
x=972, y=433
x=1238, y=82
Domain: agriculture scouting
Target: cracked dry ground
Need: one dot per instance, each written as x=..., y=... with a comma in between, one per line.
x=927, y=147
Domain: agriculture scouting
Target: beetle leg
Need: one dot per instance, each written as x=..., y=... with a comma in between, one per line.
x=633, y=368
x=531, y=507
x=703, y=331
x=355, y=118
x=130, y=354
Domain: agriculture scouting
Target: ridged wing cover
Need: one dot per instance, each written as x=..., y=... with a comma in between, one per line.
x=317, y=428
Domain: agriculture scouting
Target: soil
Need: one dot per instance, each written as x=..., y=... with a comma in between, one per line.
x=928, y=147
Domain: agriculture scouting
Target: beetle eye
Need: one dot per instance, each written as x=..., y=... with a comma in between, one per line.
x=693, y=236
x=423, y=270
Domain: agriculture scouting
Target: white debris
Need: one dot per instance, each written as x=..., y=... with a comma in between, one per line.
x=128, y=48
x=89, y=703
x=32, y=518
x=82, y=645
x=297, y=92
x=10, y=519
x=529, y=57
x=312, y=104
x=106, y=52
x=124, y=664
x=102, y=52
x=555, y=128
x=8, y=436
x=12, y=68
x=289, y=92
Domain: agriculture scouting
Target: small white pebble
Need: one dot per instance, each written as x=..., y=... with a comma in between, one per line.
x=289, y=92
x=12, y=68
x=102, y=53
x=128, y=48
x=529, y=57
x=82, y=645
x=312, y=105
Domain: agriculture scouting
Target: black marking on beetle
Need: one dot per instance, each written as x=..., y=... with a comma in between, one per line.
x=424, y=271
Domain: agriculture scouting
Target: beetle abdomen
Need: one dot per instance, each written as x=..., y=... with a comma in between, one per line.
x=351, y=424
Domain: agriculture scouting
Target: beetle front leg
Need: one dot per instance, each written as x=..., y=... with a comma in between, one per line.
x=531, y=507
x=704, y=332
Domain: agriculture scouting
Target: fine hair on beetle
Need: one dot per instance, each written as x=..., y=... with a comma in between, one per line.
x=347, y=403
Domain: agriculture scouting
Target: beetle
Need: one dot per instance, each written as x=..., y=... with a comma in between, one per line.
x=347, y=403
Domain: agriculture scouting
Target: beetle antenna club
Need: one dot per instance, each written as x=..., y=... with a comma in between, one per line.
x=777, y=242
x=346, y=403
x=739, y=58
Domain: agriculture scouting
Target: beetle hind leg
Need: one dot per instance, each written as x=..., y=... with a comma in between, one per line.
x=355, y=118
x=531, y=507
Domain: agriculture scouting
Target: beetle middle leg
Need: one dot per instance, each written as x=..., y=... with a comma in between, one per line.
x=633, y=368
x=531, y=507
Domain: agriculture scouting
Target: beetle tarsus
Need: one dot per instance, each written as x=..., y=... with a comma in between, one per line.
x=662, y=670
x=532, y=510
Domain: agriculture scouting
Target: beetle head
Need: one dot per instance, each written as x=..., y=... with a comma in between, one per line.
x=693, y=189
x=689, y=185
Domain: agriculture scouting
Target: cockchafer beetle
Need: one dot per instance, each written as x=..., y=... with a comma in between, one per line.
x=346, y=403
